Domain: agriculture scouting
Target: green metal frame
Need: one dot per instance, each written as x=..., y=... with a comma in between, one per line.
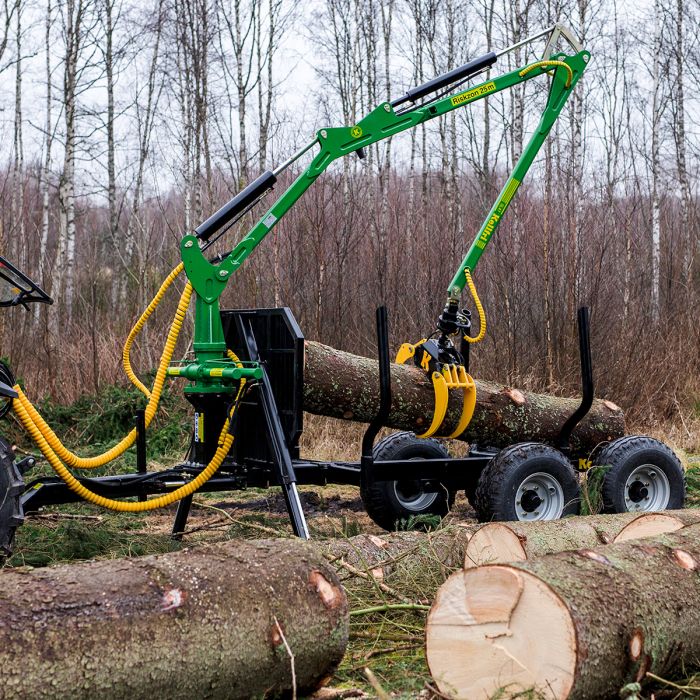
x=209, y=280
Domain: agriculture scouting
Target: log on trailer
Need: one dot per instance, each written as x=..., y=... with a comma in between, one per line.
x=342, y=385
x=232, y=621
x=501, y=543
x=573, y=625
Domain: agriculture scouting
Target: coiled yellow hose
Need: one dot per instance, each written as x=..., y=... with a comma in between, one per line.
x=126, y=352
x=479, y=308
x=55, y=451
x=225, y=442
x=78, y=462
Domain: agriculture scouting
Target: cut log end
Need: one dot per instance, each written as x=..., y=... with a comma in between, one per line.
x=494, y=543
x=479, y=635
x=649, y=525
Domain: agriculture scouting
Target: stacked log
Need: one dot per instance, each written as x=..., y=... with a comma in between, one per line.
x=341, y=385
x=496, y=543
x=577, y=624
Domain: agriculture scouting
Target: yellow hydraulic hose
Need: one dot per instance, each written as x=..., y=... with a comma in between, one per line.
x=78, y=462
x=479, y=308
x=225, y=442
x=548, y=64
x=126, y=352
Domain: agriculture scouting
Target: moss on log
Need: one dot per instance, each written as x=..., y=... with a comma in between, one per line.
x=572, y=625
x=211, y=622
x=341, y=385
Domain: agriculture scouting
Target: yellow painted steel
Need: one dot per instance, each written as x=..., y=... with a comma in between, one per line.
x=442, y=395
x=407, y=351
x=468, y=401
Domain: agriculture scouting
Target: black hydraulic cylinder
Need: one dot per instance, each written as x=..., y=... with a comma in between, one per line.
x=379, y=421
x=420, y=91
x=587, y=386
x=237, y=205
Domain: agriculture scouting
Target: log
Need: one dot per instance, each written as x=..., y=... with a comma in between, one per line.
x=402, y=555
x=216, y=622
x=501, y=543
x=572, y=625
x=342, y=385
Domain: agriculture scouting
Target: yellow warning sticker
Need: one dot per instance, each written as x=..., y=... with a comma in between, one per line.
x=218, y=372
x=472, y=94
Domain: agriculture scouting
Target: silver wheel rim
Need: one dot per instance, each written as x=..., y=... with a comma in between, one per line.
x=647, y=489
x=539, y=497
x=410, y=493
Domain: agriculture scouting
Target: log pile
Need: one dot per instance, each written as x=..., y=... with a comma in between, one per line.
x=238, y=620
x=572, y=624
x=341, y=385
x=500, y=543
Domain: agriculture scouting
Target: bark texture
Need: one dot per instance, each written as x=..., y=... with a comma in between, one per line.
x=577, y=624
x=501, y=543
x=402, y=553
x=211, y=622
x=341, y=385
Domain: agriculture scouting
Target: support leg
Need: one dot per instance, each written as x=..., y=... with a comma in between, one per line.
x=183, y=511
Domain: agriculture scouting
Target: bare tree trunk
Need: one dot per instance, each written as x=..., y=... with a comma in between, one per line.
x=45, y=181
x=73, y=16
x=18, y=166
x=108, y=9
x=680, y=143
x=656, y=112
x=501, y=543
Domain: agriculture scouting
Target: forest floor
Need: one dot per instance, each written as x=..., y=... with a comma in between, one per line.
x=389, y=644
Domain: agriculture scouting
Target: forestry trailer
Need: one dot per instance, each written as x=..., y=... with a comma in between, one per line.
x=247, y=373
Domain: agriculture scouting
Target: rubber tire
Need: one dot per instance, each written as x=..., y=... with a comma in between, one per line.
x=11, y=488
x=500, y=480
x=379, y=498
x=622, y=456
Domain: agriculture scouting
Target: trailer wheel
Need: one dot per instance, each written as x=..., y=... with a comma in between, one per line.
x=640, y=474
x=391, y=503
x=527, y=481
x=11, y=487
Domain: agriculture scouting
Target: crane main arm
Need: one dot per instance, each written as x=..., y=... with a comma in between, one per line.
x=389, y=118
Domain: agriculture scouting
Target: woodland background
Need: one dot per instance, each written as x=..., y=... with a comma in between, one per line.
x=124, y=124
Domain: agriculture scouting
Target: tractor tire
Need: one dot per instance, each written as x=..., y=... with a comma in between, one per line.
x=640, y=474
x=527, y=481
x=396, y=504
x=11, y=488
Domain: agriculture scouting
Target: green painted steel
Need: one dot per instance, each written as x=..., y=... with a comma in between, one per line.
x=209, y=280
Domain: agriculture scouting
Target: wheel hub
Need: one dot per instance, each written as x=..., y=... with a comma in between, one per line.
x=530, y=501
x=647, y=489
x=539, y=497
